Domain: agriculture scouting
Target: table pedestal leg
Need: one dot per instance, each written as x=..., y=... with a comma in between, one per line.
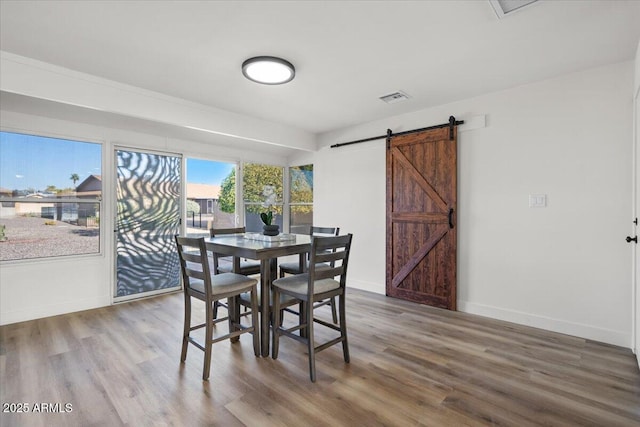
x=265, y=291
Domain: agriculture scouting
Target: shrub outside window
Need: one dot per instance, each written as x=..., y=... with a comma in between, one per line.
x=300, y=198
x=254, y=179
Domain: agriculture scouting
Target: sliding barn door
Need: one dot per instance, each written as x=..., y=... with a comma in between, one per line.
x=421, y=217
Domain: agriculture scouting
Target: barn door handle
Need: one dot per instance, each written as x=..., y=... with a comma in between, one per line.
x=632, y=239
x=451, y=218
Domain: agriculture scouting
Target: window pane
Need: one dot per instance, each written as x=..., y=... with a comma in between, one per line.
x=301, y=219
x=211, y=196
x=301, y=184
x=50, y=193
x=256, y=180
x=301, y=198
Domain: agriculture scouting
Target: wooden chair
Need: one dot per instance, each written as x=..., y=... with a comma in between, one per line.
x=199, y=283
x=296, y=268
x=244, y=267
x=311, y=287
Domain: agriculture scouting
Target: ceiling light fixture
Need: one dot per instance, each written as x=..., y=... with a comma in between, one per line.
x=268, y=70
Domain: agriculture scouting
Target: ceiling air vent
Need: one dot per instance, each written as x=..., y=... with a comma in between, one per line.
x=506, y=7
x=394, y=97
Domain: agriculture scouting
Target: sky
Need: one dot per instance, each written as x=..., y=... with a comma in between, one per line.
x=207, y=172
x=35, y=162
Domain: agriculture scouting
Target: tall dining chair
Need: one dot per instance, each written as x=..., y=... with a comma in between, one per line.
x=296, y=268
x=199, y=283
x=244, y=267
x=313, y=286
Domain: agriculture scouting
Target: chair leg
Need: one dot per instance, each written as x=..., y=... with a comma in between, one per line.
x=208, y=342
x=215, y=310
x=254, y=322
x=233, y=311
x=343, y=329
x=187, y=326
x=302, y=317
x=277, y=321
x=310, y=340
x=334, y=314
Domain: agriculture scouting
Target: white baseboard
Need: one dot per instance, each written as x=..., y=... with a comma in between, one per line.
x=374, y=287
x=550, y=324
x=8, y=317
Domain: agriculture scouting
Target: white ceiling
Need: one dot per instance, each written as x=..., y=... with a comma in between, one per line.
x=347, y=54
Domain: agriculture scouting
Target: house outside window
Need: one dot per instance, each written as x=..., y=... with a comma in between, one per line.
x=206, y=181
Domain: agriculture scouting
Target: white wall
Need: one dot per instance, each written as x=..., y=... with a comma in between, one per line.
x=565, y=267
x=34, y=289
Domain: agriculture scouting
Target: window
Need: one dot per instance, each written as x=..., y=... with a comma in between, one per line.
x=50, y=197
x=301, y=198
x=254, y=179
x=211, y=195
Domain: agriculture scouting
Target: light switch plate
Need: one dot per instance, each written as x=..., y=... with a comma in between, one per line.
x=537, y=200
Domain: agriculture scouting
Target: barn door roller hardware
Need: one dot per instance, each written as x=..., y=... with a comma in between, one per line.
x=452, y=122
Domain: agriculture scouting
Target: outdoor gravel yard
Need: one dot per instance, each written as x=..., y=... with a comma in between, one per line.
x=29, y=237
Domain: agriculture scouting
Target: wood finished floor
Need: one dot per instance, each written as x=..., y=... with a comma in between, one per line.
x=411, y=365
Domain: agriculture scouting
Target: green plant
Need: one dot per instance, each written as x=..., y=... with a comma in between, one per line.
x=269, y=193
x=193, y=206
x=266, y=217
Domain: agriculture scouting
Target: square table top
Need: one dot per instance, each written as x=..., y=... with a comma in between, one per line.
x=239, y=245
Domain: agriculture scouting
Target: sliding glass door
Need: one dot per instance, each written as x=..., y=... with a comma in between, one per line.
x=148, y=187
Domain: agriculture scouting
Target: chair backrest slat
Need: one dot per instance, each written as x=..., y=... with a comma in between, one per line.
x=328, y=273
x=213, y=232
x=192, y=257
x=328, y=231
x=329, y=257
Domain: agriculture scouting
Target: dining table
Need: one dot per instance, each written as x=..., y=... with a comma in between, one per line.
x=266, y=249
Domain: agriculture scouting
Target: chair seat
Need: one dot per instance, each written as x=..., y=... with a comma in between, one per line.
x=285, y=300
x=297, y=285
x=224, y=283
x=294, y=267
x=246, y=267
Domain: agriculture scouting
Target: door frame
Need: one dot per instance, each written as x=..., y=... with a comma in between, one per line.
x=635, y=211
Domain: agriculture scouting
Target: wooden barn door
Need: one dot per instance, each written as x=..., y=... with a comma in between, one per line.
x=421, y=217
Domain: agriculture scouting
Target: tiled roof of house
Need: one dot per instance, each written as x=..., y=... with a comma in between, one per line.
x=202, y=191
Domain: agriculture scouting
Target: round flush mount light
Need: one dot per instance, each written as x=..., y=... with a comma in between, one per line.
x=268, y=70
